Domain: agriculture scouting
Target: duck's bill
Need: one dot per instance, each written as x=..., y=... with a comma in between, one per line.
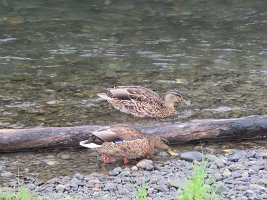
x=170, y=152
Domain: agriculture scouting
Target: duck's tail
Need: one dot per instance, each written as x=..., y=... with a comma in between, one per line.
x=89, y=145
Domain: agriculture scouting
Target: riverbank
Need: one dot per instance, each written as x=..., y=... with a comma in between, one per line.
x=241, y=174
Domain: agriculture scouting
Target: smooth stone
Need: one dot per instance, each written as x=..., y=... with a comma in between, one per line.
x=150, y=191
x=109, y=187
x=134, y=168
x=226, y=173
x=149, y=167
x=220, y=163
x=125, y=173
x=237, y=155
x=245, y=174
x=191, y=156
x=51, y=162
x=250, y=193
x=177, y=183
x=60, y=188
x=217, y=176
x=251, y=154
x=262, y=181
x=65, y=156
x=144, y=163
x=94, y=181
x=78, y=176
x=116, y=171
x=236, y=174
x=211, y=158
x=162, y=188
x=8, y=175
x=222, y=188
x=261, y=155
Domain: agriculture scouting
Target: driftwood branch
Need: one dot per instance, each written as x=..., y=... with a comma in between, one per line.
x=252, y=127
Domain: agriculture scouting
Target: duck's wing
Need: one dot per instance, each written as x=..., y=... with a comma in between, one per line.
x=134, y=93
x=131, y=149
x=126, y=132
x=118, y=132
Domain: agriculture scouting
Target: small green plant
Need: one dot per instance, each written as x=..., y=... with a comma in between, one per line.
x=197, y=188
x=141, y=192
x=22, y=194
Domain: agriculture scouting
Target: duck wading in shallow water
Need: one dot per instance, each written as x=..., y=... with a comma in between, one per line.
x=142, y=102
x=124, y=142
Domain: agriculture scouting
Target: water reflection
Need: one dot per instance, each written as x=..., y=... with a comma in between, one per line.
x=56, y=56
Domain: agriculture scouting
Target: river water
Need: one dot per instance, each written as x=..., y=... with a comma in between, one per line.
x=55, y=56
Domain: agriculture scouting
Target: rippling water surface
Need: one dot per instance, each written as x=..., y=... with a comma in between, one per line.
x=56, y=55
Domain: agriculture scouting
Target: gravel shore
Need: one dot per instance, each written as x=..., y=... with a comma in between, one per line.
x=240, y=175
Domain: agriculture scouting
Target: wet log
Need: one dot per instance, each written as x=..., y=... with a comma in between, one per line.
x=252, y=127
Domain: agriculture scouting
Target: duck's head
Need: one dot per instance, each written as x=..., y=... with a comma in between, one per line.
x=161, y=144
x=173, y=96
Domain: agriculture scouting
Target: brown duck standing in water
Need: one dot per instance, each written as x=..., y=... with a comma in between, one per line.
x=124, y=142
x=142, y=102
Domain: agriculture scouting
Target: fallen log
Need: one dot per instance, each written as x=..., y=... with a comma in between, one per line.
x=252, y=127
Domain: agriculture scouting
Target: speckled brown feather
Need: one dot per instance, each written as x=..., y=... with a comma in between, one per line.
x=138, y=101
x=118, y=132
x=140, y=148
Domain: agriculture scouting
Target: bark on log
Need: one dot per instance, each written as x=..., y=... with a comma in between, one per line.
x=252, y=127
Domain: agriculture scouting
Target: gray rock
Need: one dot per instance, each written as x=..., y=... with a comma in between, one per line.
x=211, y=158
x=245, y=174
x=220, y=162
x=115, y=172
x=237, y=155
x=134, y=168
x=162, y=188
x=177, y=183
x=150, y=191
x=8, y=175
x=60, y=188
x=109, y=187
x=154, y=178
x=250, y=193
x=31, y=186
x=226, y=173
x=125, y=173
x=144, y=163
x=261, y=155
x=94, y=181
x=53, y=181
x=251, y=154
x=236, y=174
x=222, y=188
x=191, y=156
x=217, y=176
x=262, y=181
x=149, y=167
x=78, y=176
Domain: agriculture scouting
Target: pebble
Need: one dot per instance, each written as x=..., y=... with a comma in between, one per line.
x=149, y=167
x=177, y=183
x=134, y=168
x=8, y=175
x=226, y=173
x=60, y=188
x=191, y=156
x=237, y=155
x=243, y=178
x=144, y=163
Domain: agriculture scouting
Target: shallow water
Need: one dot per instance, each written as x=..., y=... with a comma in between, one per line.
x=55, y=56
